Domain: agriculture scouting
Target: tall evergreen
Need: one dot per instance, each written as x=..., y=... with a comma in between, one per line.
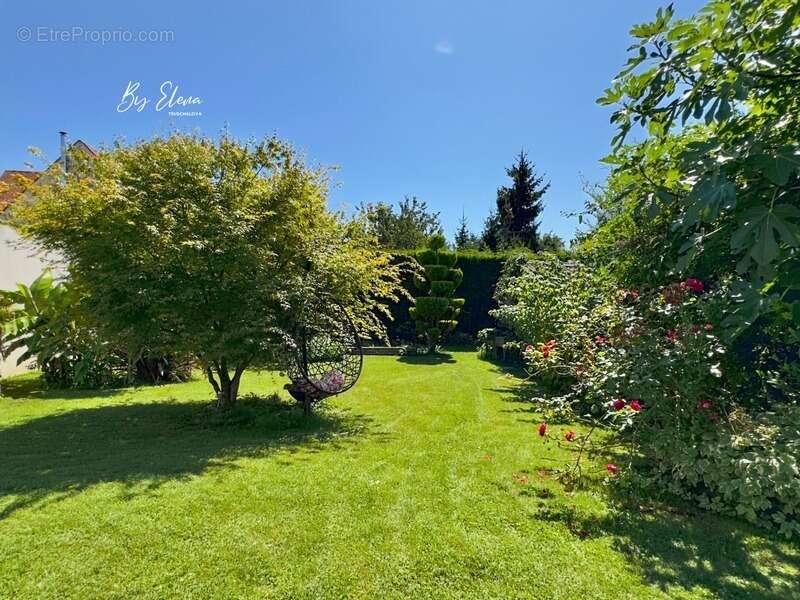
x=462, y=233
x=515, y=221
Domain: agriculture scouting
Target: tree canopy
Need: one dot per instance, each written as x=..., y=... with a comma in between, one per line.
x=207, y=248
x=407, y=228
x=714, y=188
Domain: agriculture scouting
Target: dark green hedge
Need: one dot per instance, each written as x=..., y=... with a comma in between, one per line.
x=481, y=272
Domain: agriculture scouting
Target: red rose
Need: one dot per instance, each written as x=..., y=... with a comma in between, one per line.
x=619, y=404
x=569, y=436
x=693, y=284
x=636, y=405
x=672, y=335
x=612, y=468
x=542, y=429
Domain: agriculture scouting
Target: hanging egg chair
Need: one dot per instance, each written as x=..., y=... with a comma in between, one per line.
x=326, y=355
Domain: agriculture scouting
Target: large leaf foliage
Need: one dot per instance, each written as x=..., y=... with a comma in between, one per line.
x=714, y=187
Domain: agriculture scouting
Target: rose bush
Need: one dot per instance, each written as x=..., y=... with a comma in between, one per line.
x=652, y=369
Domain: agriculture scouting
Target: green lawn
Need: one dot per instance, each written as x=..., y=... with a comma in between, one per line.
x=401, y=488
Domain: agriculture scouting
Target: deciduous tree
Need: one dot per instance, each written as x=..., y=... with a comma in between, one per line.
x=208, y=248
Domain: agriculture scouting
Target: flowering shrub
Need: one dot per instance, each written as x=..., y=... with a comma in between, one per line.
x=551, y=305
x=650, y=368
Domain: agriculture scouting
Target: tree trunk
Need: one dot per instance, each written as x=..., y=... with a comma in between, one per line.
x=225, y=386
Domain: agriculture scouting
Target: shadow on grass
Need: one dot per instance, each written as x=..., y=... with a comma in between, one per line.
x=32, y=386
x=427, y=359
x=61, y=454
x=672, y=549
x=673, y=545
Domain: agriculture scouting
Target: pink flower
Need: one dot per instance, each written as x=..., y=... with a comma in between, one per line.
x=672, y=335
x=569, y=436
x=704, y=404
x=542, y=429
x=619, y=404
x=708, y=327
x=529, y=348
x=599, y=340
x=636, y=405
x=612, y=468
x=693, y=284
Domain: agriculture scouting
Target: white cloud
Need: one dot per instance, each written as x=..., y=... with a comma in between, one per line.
x=444, y=47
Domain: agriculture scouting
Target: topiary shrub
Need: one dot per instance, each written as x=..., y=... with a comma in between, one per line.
x=435, y=315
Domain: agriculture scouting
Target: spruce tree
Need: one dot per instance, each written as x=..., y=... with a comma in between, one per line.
x=463, y=235
x=515, y=221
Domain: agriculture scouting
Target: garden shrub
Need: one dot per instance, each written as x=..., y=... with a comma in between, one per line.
x=481, y=272
x=652, y=368
x=549, y=304
x=48, y=324
x=750, y=469
x=435, y=315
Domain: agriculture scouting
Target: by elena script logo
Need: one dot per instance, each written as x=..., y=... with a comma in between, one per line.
x=169, y=99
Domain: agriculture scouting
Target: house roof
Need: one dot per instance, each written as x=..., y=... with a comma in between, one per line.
x=13, y=187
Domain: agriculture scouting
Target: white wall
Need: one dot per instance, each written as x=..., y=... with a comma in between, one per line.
x=17, y=265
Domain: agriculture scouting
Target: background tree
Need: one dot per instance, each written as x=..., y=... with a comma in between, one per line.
x=207, y=248
x=408, y=228
x=515, y=221
x=435, y=314
x=550, y=242
x=464, y=238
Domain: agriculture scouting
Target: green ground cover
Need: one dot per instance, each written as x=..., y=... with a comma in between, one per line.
x=423, y=481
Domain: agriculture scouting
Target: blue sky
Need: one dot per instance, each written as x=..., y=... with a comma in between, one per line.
x=421, y=98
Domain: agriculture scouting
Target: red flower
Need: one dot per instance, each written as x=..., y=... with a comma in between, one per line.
x=693, y=284
x=569, y=436
x=704, y=404
x=672, y=335
x=542, y=429
x=708, y=327
x=619, y=404
x=599, y=340
x=612, y=468
x=547, y=347
x=636, y=405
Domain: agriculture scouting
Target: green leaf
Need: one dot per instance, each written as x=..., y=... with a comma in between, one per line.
x=780, y=166
x=766, y=249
